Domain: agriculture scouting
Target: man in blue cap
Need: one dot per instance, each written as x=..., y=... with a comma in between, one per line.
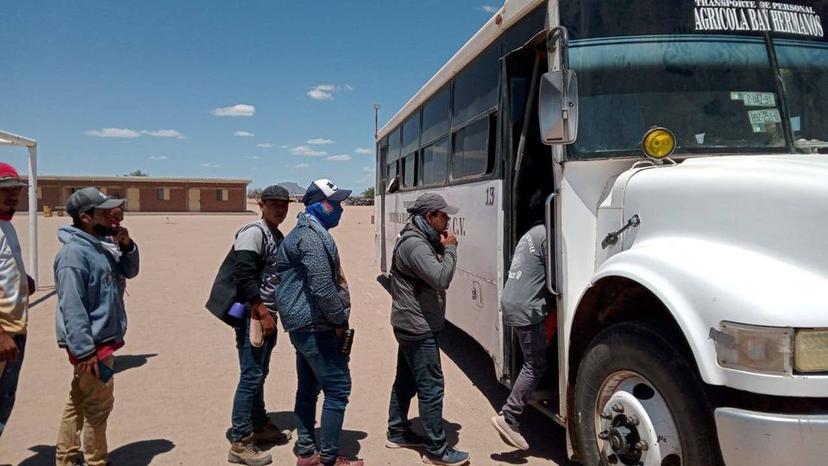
x=314, y=306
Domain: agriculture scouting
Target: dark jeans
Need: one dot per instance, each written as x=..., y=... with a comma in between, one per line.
x=419, y=373
x=8, y=382
x=248, y=405
x=320, y=366
x=532, y=339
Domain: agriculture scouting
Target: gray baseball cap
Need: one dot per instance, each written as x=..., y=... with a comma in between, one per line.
x=431, y=202
x=275, y=193
x=86, y=199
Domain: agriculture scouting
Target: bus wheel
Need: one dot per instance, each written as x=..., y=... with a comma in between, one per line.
x=638, y=402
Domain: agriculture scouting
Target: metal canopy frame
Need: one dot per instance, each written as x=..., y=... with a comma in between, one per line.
x=11, y=139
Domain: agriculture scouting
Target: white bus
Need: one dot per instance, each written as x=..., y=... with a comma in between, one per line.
x=680, y=147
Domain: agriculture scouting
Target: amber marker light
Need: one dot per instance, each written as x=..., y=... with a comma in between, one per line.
x=659, y=143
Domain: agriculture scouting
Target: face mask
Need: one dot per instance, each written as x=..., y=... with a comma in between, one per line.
x=328, y=213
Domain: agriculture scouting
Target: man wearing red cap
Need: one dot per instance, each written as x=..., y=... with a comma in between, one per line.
x=15, y=287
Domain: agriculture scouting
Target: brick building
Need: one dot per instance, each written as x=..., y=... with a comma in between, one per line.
x=147, y=194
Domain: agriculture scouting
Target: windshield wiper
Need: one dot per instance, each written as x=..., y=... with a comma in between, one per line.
x=810, y=146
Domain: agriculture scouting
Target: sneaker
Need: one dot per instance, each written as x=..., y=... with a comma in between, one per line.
x=509, y=433
x=450, y=457
x=246, y=452
x=271, y=433
x=408, y=439
x=312, y=460
x=342, y=461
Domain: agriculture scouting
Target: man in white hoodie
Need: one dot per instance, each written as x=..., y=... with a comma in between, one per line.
x=15, y=287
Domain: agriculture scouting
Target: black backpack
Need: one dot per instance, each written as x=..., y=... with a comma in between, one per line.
x=223, y=292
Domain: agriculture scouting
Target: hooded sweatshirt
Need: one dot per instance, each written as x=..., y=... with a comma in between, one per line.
x=90, y=309
x=419, y=280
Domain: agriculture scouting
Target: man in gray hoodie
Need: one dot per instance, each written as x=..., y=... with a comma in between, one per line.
x=422, y=267
x=91, y=319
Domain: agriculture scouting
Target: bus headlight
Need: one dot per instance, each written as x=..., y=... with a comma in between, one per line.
x=811, y=354
x=754, y=348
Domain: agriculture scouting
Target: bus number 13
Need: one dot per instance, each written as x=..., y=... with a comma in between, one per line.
x=490, y=196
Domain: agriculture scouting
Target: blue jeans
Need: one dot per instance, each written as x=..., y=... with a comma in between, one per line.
x=248, y=405
x=419, y=373
x=8, y=382
x=320, y=366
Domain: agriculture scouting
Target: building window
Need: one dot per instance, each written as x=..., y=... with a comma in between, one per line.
x=222, y=195
x=163, y=194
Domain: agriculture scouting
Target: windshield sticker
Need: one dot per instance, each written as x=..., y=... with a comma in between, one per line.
x=763, y=117
x=757, y=16
x=755, y=99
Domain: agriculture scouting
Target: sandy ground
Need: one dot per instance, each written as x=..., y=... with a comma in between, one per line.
x=177, y=373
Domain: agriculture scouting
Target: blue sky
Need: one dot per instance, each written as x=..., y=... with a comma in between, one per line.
x=264, y=90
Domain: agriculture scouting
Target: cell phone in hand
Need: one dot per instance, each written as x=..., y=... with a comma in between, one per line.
x=105, y=372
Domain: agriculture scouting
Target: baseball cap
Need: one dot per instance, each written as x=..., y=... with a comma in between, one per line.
x=86, y=199
x=323, y=189
x=9, y=178
x=275, y=193
x=431, y=202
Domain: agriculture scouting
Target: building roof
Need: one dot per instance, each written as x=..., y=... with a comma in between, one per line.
x=143, y=179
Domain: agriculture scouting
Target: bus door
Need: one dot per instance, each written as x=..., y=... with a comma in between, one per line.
x=528, y=176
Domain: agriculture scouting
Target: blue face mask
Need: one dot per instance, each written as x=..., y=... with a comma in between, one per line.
x=328, y=213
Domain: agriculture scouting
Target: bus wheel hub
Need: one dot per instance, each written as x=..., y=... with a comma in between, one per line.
x=634, y=425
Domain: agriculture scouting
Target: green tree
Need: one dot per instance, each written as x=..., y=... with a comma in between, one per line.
x=369, y=193
x=137, y=173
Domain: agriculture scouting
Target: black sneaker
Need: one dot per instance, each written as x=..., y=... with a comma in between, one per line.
x=408, y=439
x=450, y=457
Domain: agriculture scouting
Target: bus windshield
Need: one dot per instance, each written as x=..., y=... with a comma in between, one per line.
x=718, y=88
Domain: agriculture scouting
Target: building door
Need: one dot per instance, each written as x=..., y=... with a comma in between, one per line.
x=134, y=199
x=194, y=195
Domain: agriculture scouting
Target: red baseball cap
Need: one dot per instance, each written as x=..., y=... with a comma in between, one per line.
x=9, y=178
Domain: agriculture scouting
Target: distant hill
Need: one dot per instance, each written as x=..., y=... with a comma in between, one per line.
x=293, y=188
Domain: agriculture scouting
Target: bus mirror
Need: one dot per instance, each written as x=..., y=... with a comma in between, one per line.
x=394, y=185
x=558, y=107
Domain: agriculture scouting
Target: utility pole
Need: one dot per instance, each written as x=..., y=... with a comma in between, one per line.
x=376, y=120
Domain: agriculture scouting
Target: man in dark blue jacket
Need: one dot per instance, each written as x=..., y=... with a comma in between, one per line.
x=314, y=306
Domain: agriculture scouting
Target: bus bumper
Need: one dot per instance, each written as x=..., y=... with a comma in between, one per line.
x=748, y=438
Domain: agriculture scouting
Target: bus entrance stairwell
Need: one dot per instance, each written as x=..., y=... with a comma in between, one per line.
x=528, y=179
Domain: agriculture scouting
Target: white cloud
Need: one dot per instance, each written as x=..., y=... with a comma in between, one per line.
x=340, y=158
x=489, y=8
x=210, y=165
x=265, y=145
x=158, y=157
x=300, y=166
x=320, y=141
x=113, y=133
x=238, y=110
x=164, y=133
x=253, y=157
x=284, y=147
x=307, y=151
x=326, y=91
x=243, y=134
x=363, y=151
x=368, y=169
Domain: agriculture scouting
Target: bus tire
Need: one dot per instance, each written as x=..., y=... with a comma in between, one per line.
x=638, y=401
